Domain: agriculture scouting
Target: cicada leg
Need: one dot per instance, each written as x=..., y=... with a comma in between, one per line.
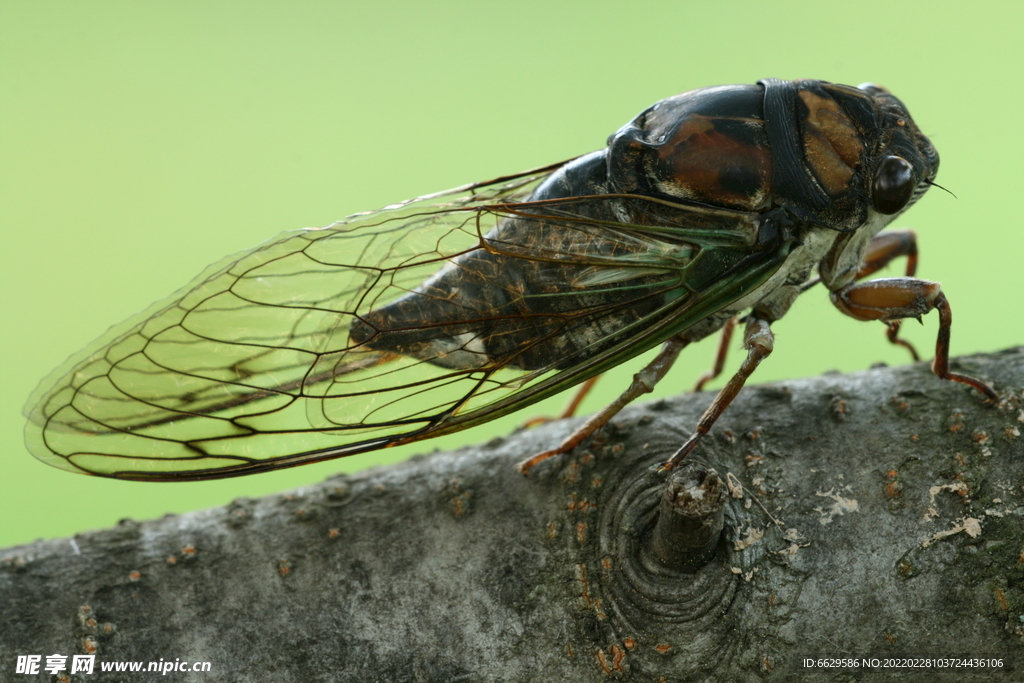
x=892, y=334
x=897, y=298
x=643, y=382
x=574, y=404
x=759, y=342
x=723, y=350
x=883, y=249
x=888, y=246
x=581, y=393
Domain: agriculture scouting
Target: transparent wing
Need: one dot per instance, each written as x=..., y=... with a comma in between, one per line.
x=417, y=320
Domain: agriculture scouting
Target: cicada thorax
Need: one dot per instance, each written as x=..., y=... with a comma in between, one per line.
x=707, y=146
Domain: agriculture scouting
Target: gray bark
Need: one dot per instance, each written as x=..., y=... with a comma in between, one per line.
x=881, y=514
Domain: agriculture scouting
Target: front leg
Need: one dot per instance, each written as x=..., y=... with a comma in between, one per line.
x=886, y=247
x=882, y=250
x=723, y=351
x=893, y=299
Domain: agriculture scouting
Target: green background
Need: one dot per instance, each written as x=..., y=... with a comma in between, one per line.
x=141, y=141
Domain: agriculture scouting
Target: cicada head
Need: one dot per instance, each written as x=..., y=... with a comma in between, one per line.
x=891, y=163
x=909, y=163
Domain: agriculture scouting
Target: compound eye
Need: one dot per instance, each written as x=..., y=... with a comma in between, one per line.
x=893, y=185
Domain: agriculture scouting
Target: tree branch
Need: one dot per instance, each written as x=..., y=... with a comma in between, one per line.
x=872, y=514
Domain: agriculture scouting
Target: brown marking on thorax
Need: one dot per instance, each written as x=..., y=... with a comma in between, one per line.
x=710, y=165
x=832, y=145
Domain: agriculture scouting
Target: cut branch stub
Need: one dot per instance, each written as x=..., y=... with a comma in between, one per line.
x=690, y=518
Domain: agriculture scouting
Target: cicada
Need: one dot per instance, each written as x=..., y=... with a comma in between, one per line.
x=441, y=313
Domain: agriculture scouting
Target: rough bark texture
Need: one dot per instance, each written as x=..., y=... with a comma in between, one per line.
x=881, y=513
